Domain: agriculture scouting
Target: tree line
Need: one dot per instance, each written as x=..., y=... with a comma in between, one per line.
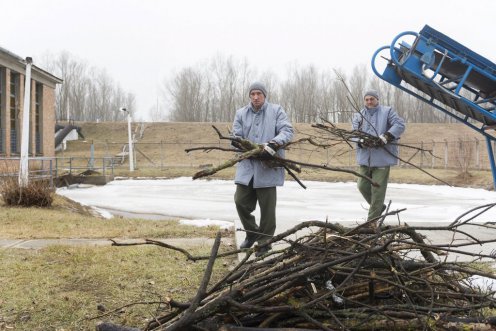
x=211, y=91
x=87, y=93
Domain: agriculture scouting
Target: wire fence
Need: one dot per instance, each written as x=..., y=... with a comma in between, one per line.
x=462, y=154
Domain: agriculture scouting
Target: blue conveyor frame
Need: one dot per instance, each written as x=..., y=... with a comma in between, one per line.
x=446, y=75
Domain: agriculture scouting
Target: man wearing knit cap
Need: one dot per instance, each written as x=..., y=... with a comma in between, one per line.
x=264, y=123
x=376, y=155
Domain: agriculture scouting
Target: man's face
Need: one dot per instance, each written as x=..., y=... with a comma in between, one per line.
x=371, y=102
x=257, y=98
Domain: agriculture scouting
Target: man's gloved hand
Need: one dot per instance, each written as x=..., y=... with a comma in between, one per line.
x=369, y=142
x=269, y=150
x=386, y=138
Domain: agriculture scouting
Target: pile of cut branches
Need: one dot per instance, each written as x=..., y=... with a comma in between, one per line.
x=347, y=278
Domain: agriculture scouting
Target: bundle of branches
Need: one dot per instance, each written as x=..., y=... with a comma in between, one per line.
x=245, y=149
x=339, y=135
x=338, y=278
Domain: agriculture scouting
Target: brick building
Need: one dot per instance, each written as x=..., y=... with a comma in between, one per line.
x=42, y=107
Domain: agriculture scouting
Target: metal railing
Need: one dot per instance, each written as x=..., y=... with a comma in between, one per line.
x=40, y=168
x=50, y=168
x=77, y=165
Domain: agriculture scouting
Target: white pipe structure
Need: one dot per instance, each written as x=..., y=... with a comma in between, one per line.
x=130, y=139
x=24, y=162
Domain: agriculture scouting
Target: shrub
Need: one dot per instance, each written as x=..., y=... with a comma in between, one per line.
x=36, y=193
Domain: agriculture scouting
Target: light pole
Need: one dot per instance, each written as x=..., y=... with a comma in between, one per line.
x=130, y=138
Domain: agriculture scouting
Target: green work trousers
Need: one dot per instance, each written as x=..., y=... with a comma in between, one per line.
x=374, y=195
x=246, y=198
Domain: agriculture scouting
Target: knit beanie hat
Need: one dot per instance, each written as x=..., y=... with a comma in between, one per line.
x=258, y=86
x=372, y=93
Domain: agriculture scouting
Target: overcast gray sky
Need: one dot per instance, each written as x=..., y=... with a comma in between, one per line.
x=141, y=42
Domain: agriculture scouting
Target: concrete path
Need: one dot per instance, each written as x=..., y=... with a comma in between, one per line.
x=431, y=237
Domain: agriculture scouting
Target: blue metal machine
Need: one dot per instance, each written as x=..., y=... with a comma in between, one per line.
x=446, y=75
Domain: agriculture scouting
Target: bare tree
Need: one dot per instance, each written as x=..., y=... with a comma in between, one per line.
x=87, y=94
x=158, y=113
x=71, y=94
x=299, y=94
x=210, y=91
x=326, y=98
x=341, y=101
x=186, y=92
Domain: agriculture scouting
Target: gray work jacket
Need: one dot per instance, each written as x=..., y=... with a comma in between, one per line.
x=377, y=121
x=270, y=123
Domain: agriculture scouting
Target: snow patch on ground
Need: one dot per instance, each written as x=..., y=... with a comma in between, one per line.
x=208, y=222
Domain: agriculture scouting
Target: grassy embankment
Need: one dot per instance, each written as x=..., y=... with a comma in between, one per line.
x=161, y=152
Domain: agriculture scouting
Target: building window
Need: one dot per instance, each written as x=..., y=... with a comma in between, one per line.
x=14, y=110
x=38, y=108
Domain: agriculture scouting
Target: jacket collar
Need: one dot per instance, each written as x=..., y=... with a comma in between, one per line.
x=373, y=109
x=264, y=106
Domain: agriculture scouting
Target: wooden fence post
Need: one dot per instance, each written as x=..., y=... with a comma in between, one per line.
x=433, y=158
x=477, y=154
x=161, y=155
x=421, y=154
x=445, y=154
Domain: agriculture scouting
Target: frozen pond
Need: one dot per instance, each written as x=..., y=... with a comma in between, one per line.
x=205, y=202
x=338, y=202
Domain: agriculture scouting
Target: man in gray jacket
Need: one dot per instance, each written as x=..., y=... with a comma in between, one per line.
x=263, y=123
x=375, y=156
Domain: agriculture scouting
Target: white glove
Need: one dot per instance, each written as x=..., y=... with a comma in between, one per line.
x=269, y=149
x=386, y=137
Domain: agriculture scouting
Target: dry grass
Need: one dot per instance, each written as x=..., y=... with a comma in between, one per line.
x=177, y=132
x=60, y=288
x=476, y=179
x=35, y=193
x=67, y=219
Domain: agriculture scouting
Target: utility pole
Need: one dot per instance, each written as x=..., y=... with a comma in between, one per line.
x=24, y=162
